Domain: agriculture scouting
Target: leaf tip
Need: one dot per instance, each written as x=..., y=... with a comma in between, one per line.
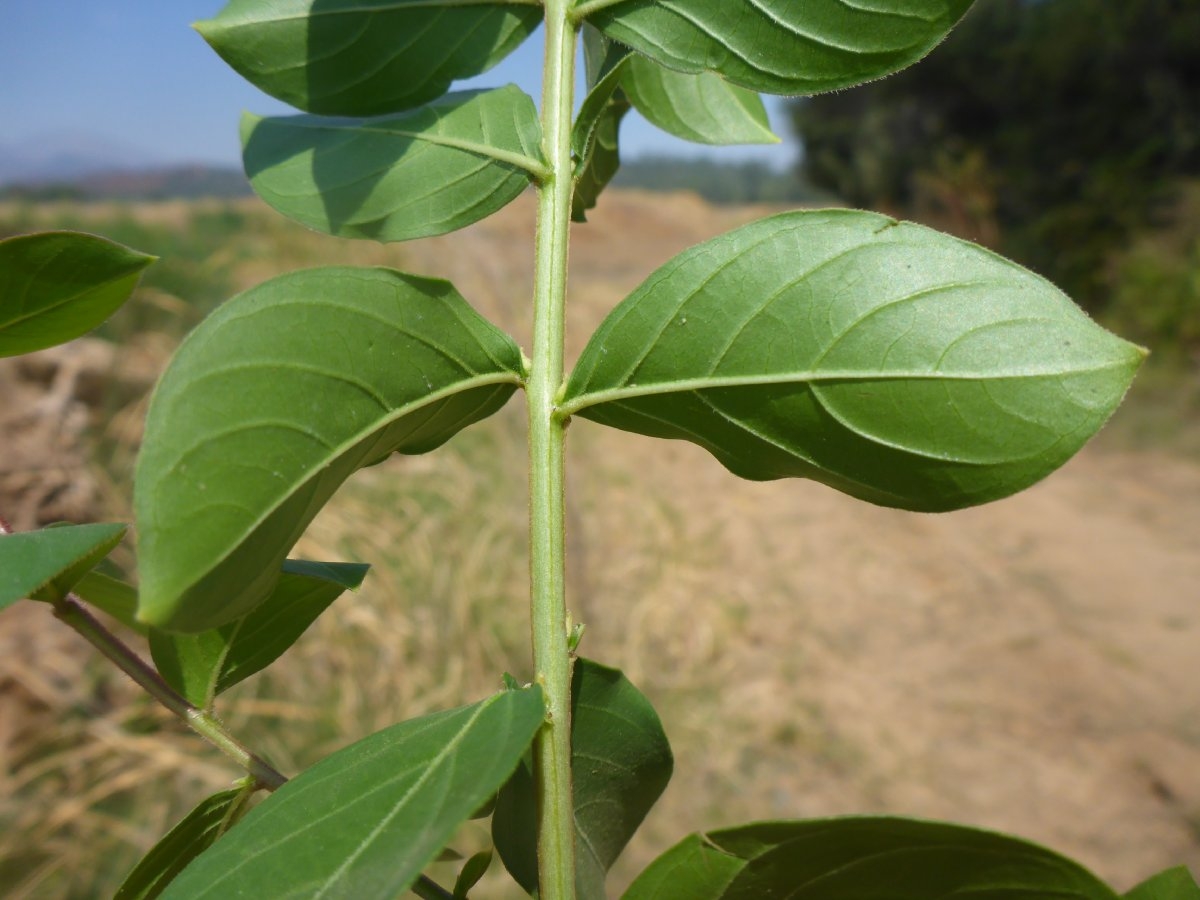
x=207, y=29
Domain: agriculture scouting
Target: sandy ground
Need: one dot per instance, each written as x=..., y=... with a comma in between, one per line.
x=1031, y=666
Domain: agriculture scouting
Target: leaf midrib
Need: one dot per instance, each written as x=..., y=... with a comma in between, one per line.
x=517, y=160
x=434, y=764
x=335, y=452
x=570, y=407
x=92, y=288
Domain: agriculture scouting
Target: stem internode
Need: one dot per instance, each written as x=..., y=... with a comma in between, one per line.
x=551, y=654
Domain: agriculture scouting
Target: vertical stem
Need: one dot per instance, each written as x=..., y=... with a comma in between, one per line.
x=551, y=659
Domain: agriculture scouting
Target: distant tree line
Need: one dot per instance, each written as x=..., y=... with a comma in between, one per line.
x=1052, y=129
x=718, y=182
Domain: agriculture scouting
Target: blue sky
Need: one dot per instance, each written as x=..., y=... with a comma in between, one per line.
x=132, y=74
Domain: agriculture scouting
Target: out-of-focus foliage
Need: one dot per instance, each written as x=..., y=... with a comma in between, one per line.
x=1156, y=285
x=1051, y=129
x=716, y=182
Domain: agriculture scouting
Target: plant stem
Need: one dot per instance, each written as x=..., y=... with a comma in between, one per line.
x=202, y=722
x=71, y=613
x=551, y=657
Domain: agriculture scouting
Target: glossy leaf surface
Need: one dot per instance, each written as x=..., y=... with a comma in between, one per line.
x=703, y=108
x=1173, y=884
x=425, y=172
x=202, y=666
x=58, y=285
x=365, y=821
x=194, y=834
x=780, y=46
x=894, y=363
x=46, y=564
x=621, y=763
x=277, y=398
x=861, y=858
x=365, y=57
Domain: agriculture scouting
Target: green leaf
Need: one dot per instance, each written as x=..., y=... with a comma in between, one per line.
x=779, y=46
x=603, y=159
x=594, y=136
x=604, y=63
x=58, y=285
x=425, y=172
x=366, y=57
x=365, y=821
x=472, y=871
x=703, y=108
x=622, y=763
x=889, y=361
x=46, y=564
x=194, y=834
x=860, y=858
x=1173, y=884
x=202, y=666
x=274, y=401
x=111, y=595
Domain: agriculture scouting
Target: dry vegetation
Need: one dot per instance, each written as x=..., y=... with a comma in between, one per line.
x=1029, y=666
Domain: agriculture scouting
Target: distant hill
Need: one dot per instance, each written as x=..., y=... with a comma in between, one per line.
x=184, y=182
x=66, y=156
x=717, y=182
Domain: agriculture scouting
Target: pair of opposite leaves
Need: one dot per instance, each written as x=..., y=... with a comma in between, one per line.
x=412, y=162
x=891, y=362
x=901, y=366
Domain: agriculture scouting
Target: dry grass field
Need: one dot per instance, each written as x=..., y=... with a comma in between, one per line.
x=1031, y=666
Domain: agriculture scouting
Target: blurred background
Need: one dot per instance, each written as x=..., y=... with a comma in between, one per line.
x=1029, y=666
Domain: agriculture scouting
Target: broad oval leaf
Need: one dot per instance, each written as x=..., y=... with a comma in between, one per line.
x=194, y=834
x=366, y=57
x=365, y=821
x=856, y=858
x=58, y=285
x=46, y=564
x=1173, y=884
x=202, y=666
x=274, y=401
x=621, y=764
x=425, y=172
x=703, y=108
x=889, y=361
x=779, y=46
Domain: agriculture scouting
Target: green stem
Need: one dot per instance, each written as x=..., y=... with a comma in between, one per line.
x=551, y=656
x=202, y=722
